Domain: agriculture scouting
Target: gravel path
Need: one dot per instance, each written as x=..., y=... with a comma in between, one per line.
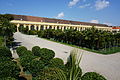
x=107, y=65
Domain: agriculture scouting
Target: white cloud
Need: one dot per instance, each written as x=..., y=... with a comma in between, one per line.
x=84, y=6
x=60, y=15
x=109, y=24
x=101, y=4
x=73, y=2
x=94, y=21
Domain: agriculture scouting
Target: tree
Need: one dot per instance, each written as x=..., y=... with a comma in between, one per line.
x=6, y=27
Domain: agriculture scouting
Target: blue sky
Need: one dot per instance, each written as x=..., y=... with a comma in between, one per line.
x=96, y=11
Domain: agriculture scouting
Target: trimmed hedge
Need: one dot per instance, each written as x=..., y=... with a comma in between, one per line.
x=92, y=76
x=36, y=66
x=47, y=54
x=36, y=50
x=20, y=50
x=8, y=69
x=5, y=52
x=57, y=62
x=26, y=60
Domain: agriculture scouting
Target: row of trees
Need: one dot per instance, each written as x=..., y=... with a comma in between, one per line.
x=6, y=28
x=91, y=38
x=40, y=64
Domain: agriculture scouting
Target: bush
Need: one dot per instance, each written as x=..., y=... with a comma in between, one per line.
x=8, y=69
x=26, y=60
x=36, y=50
x=57, y=62
x=40, y=33
x=31, y=32
x=7, y=78
x=47, y=54
x=36, y=67
x=92, y=76
x=5, y=52
x=20, y=50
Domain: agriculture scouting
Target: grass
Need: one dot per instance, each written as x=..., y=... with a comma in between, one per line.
x=105, y=52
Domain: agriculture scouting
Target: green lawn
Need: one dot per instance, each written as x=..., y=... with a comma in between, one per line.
x=106, y=52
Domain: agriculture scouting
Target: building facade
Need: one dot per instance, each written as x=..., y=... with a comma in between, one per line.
x=115, y=29
x=40, y=23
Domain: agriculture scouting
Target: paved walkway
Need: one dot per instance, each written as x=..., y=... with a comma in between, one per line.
x=107, y=65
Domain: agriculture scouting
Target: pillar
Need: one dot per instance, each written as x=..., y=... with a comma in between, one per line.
x=24, y=25
x=18, y=27
x=29, y=26
x=39, y=26
x=35, y=27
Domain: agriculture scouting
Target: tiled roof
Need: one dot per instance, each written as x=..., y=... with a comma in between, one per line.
x=50, y=20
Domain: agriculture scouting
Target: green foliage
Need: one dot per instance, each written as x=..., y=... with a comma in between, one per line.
x=5, y=52
x=8, y=69
x=36, y=50
x=31, y=32
x=40, y=33
x=36, y=67
x=26, y=60
x=92, y=76
x=73, y=70
x=7, y=78
x=1, y=41
x=52, y=74
x=20, y=50
x=47, y=54
x=57, y=62
x=92, y=39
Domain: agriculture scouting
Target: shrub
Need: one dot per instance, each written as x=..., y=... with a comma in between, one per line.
x=36, y=67
x=57, y=62
x=8, y=69
x=31, y=32
x=25, y=60
x=7, y=78
x=40, y=33
x=92, y=76
x=20, y=50
x=36, y=50
x=5, y=52
x=47, y=54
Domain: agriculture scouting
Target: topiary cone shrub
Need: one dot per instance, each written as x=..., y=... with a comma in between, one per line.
x=36, y=50
x=92, y=76
x=47, y=54
x=20, y=50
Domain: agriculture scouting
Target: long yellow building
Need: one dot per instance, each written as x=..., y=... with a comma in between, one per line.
x=40, y=23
